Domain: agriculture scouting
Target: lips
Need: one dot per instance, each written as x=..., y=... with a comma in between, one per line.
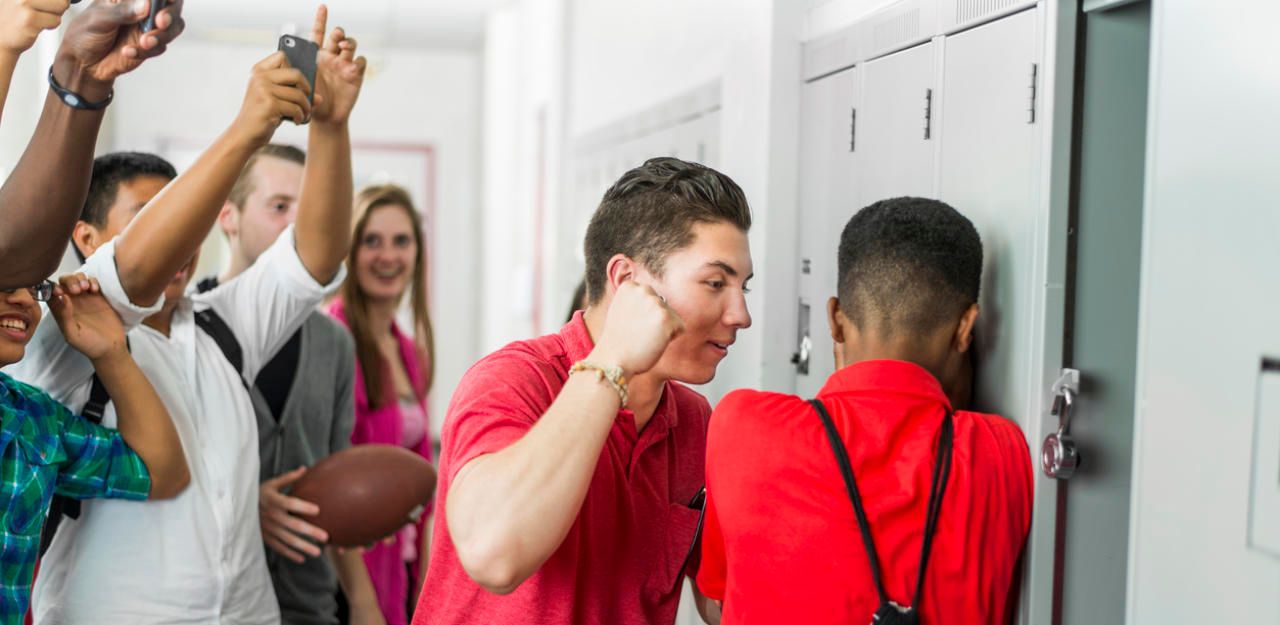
x=388, y=274
x=15, y=326
x=722, y=347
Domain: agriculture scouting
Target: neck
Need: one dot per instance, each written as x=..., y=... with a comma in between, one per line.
x=162, y=321
x=644, y=391
x=930, y=351
x=239, y=264
x=382, y=314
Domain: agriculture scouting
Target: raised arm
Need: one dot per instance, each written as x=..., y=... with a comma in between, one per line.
x=92, y=327
x=324, y=209
x=169, y=231
x=21, y=22
x=45, y=193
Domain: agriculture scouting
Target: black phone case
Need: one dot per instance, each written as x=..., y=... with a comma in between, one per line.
x=149, y=24
x=301, y=54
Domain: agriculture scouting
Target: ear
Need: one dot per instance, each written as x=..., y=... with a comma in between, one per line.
x=86, y=239
x=620, y=269
x=963, y=338
x=836, y=320
x=229, y=220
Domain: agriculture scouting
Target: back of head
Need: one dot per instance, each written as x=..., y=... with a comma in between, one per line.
x=650, y=212
x=907, y=265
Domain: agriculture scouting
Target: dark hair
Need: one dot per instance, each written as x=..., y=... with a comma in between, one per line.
x=650, y=213
x=244, y=184
x=579, y=300
x=112, y=169
x=908, y=264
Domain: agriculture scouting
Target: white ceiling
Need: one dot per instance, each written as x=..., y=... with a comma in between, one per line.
x=400, y=23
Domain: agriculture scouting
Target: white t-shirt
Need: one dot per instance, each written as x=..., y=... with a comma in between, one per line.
x=198, y=558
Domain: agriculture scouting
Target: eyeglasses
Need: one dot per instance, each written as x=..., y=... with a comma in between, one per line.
x=42, y=292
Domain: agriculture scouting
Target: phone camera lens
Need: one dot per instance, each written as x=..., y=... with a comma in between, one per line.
x=290, y=43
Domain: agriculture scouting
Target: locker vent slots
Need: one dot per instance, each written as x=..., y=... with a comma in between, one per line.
x=968, y=10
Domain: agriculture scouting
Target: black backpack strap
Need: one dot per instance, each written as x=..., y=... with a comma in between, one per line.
x=221, y=333
x=941, y=474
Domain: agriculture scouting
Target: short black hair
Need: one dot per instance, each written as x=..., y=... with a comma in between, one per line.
x=650, y=212
x=908, y=264
x=112, y=169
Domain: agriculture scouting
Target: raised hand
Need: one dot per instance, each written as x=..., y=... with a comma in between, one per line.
x=22, y=21
x=87, y=321
x=339, y=72
x=637, y=330
x=106, y=40
x=276, y=92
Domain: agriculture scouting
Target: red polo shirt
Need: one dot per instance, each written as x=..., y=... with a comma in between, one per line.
x=621, y=559
x=781, y=542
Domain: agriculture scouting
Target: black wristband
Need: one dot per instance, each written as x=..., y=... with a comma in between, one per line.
x=75, y=100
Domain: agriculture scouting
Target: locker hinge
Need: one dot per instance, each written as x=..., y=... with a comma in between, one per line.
x=928, y=113
x=1031, y=111
x=853, y=130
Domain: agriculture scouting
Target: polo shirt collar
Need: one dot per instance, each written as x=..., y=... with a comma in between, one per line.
x=886, y=376
x=578, y=345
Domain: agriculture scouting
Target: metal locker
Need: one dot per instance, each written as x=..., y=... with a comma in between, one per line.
x=897, y=125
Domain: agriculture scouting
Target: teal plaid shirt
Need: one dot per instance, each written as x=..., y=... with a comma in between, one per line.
x=44, y=449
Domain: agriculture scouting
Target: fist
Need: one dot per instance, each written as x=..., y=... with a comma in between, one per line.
x=22, y=21
x=637, y=329
x=276, y=92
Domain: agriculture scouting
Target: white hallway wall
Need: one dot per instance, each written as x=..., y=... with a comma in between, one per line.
x=424, y=97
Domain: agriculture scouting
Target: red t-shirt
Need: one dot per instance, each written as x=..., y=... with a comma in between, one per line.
x=621, y=559
x=781, y=542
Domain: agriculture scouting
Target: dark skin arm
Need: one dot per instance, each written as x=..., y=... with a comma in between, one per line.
x=42, y=199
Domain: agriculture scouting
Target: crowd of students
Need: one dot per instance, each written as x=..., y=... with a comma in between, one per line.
x=581, y=479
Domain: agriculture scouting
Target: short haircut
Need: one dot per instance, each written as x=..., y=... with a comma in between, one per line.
x=112, y=169
x=907, y=265
x=244, y=184
x=650, y=212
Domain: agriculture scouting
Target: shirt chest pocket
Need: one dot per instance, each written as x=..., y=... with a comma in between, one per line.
x=31, y=485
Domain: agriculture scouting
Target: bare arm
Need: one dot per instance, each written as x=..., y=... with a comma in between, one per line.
x=353, y=576
x=169, y=231
x=424, y=558
x=708, y=609
x=92, y=326
x=324, y=213
x=509, y=511
x=21, y=22
x=42, y=198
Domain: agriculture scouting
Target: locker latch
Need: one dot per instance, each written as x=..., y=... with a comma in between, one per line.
x=1058, y=455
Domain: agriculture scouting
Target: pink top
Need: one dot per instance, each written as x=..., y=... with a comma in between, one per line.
x=386, y=425
x=622, y=560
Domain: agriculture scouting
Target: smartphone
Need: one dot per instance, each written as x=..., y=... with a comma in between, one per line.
x=301, y=54
x=149, y=24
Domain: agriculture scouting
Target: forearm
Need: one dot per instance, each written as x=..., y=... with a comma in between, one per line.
x=8, y=64
x=43, y=196
x=353, y=576
x=165, y=235
x=144, y=423
x=424, y=557
x=509, y=511
x=323, y=231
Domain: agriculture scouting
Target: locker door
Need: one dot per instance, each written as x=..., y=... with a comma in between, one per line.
x=988, y=170
x=900, y=94
x=987, y=156
x=827, y=200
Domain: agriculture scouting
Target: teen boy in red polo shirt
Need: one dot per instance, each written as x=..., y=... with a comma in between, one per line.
x=782, y=542
x=569, y=461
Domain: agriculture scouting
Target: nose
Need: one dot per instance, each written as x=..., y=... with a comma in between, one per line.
x=737, y=315
x=18, y=297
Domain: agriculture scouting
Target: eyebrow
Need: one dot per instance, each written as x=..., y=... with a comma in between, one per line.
x=727, y=268
x=281, y=196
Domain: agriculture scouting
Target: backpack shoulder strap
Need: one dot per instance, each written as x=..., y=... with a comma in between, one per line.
x=217, y=329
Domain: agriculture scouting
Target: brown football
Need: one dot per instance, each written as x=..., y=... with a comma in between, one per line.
x=367, y=492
